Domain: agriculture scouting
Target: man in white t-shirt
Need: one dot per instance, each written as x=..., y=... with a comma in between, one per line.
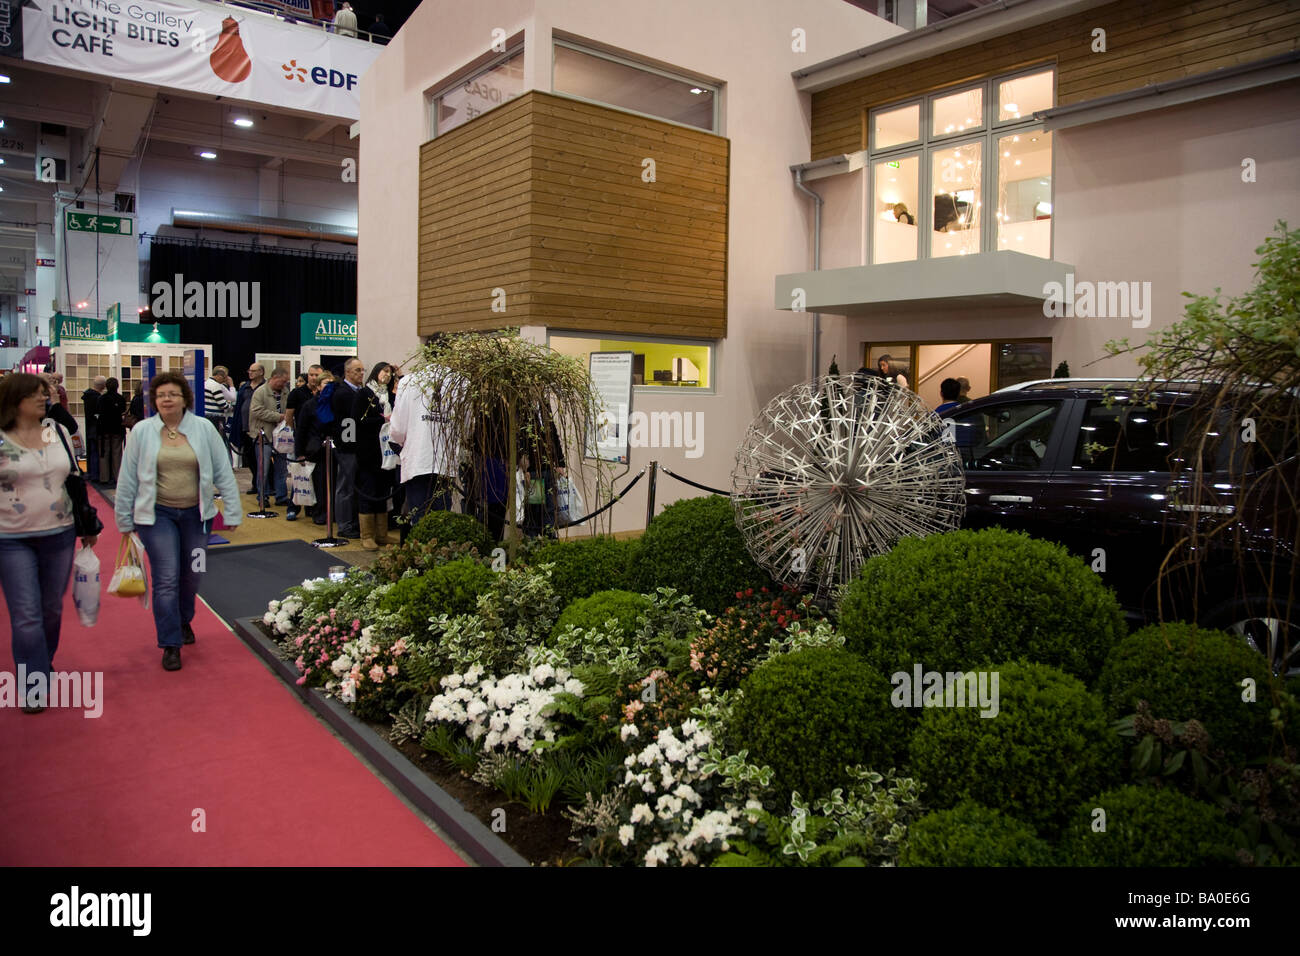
x=422, y=425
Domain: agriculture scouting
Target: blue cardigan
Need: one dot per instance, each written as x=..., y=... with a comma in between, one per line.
x=137, y=481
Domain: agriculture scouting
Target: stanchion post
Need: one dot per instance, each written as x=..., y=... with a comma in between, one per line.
x=650, y=494
x=329, y=541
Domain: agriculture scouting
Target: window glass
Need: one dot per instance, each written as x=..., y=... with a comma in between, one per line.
x=1006, y=437
x=957, y=112
x=1024, y=211
x=478, y=94
x=956, y=175
x=897, y=191
x=1018, y=98
x=897, y=127
x=1022, y=362
x=1137, y=438
x=663, y=364
x=629, y=87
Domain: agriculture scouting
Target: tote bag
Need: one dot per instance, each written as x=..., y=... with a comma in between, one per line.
x=300, y=483
x=129, y=576
x=389, y=458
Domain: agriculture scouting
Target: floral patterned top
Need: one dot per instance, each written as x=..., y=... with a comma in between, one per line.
x=33, y=500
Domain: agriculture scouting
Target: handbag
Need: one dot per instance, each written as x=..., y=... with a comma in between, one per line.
x=84, y=516
x=129, y=575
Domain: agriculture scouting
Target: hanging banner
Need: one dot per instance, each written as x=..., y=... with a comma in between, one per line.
x=200, y=47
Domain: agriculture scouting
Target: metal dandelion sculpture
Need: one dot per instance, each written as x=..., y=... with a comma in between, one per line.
x=836, y=470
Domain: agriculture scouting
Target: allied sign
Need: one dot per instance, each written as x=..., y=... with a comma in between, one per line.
x=101, y=330
x=197, y=47
x=329, y=330
x=92, y=222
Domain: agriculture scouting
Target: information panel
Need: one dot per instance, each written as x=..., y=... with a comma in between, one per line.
x=611, y=375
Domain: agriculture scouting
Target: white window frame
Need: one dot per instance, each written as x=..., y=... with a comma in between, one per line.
x=713, y=88
x=989, y=133
x=433, y=99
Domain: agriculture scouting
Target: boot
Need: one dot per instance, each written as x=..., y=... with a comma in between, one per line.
x=367, y=523
x=381, y=530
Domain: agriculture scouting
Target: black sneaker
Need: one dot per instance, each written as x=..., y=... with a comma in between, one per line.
x=187, y=634
x=171, y=659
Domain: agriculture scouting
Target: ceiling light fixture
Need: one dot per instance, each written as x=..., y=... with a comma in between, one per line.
x=696, y=90
x=4, y=77
x=208, y=154
x=1012, y=108
x=243, y=122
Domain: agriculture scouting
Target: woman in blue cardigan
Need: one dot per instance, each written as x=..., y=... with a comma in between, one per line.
x=173, y=464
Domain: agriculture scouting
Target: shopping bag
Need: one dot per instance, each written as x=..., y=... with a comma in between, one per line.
x=389, y=457
x=568, y=503
x=85, y=586
x=282, y=440
x=300, y=484
x=129, y=575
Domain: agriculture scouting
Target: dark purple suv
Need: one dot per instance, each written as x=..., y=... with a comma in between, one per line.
x=1076, y=461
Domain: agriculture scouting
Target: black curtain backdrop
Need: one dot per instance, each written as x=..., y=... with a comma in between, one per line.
x=291, y=283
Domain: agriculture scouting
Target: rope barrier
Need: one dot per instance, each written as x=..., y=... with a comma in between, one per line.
x=695, y=484
x=613, y=501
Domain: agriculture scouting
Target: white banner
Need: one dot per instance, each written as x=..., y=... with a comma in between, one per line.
x=203, y=48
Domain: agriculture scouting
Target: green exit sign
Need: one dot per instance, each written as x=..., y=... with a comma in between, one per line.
x=93, y=222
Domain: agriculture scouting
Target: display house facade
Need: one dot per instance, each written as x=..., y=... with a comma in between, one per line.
x=999, y=195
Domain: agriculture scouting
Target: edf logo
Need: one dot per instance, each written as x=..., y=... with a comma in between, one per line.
x=323, y=77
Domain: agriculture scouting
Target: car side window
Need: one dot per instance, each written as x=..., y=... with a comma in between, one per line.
x=1130, y=438
x=1011, y=437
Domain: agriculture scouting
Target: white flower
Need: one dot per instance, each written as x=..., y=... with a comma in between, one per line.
x=642, y=813
x=268, y=617
x=629, y=730
x=341, y=666
x=657, y=854
x=348, y=691
x=668, y=806
x=626, y=833
x=542, y=673
x=689, y=727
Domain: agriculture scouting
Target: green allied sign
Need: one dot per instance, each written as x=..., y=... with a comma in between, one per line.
x=329, y=330
x=93, y=222
x=101, y=330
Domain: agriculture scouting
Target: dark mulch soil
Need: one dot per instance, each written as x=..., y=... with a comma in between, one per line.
x=541, y=838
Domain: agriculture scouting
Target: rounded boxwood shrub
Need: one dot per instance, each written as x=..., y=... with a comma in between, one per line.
x=695, y=547
x=583, y=566
x=949, y=600
x=972, y=835
x=592, y=612
x=1049, y=743
x=810, y=714
x=1146, y=827
x=1185, y=672
x=451, y=588
x=451, y=527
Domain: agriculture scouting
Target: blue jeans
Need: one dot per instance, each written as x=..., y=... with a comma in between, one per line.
x=177, y=543
x=275, y=475
x=34, y=573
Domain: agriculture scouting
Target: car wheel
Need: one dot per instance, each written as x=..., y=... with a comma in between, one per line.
x=1277, y=638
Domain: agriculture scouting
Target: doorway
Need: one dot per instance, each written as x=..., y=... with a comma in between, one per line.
x=988, y=365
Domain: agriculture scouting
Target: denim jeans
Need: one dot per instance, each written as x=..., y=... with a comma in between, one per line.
x=426, y=493
x=34, y=573
x=274, y=482
x=174, y=542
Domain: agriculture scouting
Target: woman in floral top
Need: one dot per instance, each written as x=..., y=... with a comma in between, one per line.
x=37, y=537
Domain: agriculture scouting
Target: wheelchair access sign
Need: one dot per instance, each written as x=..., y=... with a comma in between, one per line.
x=92, y=222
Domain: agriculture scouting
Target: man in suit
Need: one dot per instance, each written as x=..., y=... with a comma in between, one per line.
x=344, y=432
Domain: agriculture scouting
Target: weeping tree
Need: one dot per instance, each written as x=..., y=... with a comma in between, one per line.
x=1247, y=351
x=501, y=396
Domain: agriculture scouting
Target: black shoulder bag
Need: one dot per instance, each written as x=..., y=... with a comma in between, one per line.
x=84, y=516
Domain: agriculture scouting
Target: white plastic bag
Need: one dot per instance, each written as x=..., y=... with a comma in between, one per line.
x=389, y=458
x=282, y=439
x=300, y=484
x=85, y=586
x=568, y=503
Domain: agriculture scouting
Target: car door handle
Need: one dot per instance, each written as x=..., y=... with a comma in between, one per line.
x=1010, y=500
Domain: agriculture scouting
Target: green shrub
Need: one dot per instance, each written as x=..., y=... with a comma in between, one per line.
x=695, y=547
x=973, y=835
x=451, y=588
x=418, y=556
x=1186, y=673
x=1146, y=827
x=1048, y=745
x=450, y=527
x=952, y=600
x=592, y=612
x=811, y=714
x=583, y=566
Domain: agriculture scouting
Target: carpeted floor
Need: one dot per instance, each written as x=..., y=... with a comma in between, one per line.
x=241, y=579
x=220, y=741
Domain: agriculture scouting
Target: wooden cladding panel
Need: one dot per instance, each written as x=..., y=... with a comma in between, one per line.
x=1151, y=42
x=547, y=202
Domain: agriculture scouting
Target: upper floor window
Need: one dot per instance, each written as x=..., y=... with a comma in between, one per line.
x=937, y=161
x=500, y=81
x=614, y=81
